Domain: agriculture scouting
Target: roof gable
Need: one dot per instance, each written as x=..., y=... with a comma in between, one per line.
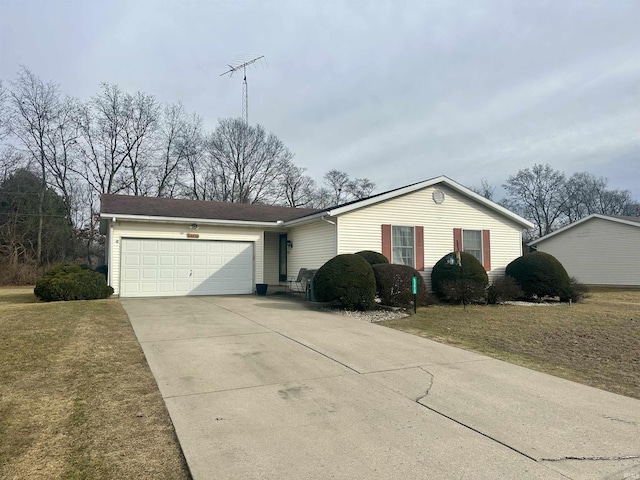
x=348, y=207
x=632, y=221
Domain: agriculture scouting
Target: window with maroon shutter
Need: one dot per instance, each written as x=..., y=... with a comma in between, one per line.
x=457, y=239
x=475, y=242
x=486, y=250
x=419, y=248
x=404, y=245
x=386, y=241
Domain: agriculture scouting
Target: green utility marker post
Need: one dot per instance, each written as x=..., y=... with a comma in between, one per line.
x=414, y=290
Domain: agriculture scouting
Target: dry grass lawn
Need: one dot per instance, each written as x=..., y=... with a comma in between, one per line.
x=77, y=398
x=596, y=342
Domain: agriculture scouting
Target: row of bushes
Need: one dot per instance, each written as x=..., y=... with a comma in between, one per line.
x=533, y=276
x=353, y=280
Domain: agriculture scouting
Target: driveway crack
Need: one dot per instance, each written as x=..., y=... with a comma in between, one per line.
x=419, y=399
x=594, y=459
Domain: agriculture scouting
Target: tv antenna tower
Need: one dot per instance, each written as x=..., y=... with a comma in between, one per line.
x=245, y=87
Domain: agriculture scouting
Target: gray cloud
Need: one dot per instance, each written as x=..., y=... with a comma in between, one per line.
x=396, y=91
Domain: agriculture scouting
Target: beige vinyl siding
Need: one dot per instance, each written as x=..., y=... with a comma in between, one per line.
x=598, y=252
x=128, y=229
x=361, y=229
x=313, y=245
x=271, y=258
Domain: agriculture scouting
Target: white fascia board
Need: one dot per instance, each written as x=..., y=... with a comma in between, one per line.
x=428, y=183
x=582, y=220
x=308, y=219
x=199, y=221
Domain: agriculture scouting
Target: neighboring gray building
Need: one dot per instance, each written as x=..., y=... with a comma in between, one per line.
x=597, y=250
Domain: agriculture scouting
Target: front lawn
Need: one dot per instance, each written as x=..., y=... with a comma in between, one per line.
x=596, y=342
x=77, y=398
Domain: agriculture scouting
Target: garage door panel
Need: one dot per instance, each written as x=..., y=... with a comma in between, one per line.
x=166, y=260
x=183, y=260
x=183, y=247
x=154, y=267
x=150, y=247
x=149, y=260
x=130, y=259
x=199, y=260
x=167, y=247
x=183, y=273
x=149, y=274
x=166, y=274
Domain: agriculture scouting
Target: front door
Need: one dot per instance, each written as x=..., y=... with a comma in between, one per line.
x=282, y=261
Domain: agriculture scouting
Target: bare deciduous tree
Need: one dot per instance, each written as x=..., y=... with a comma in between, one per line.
x=342, y=189
x=140, y=116
x=178, y=170
x=36, y=115
x=539, y=195
x=588, y=194
x=299, y=188
x=360, y=188
x=485, y=189
x=246, y=163
x=101, y=123
x=338, y=185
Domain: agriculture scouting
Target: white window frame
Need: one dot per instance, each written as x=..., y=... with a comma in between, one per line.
x=481, y=259
x=413, y=246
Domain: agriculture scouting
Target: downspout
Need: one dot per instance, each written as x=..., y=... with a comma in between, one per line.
x=110, y=252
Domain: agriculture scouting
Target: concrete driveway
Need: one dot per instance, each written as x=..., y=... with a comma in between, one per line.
x=262, y=387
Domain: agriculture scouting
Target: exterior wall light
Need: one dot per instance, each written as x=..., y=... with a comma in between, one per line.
x=193, y=226
x=289, y=244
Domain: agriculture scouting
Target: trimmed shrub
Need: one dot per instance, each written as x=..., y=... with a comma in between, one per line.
x=393, y=283
x=72, y=282
x=346, y=280
x=503, y=289
x=455, y=283
x=374, y=258
x=540, y=275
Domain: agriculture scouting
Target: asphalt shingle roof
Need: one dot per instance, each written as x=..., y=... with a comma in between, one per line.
x=181, y=208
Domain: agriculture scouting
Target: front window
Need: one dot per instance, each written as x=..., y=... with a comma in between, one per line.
x=403, y=246
x=472, y=243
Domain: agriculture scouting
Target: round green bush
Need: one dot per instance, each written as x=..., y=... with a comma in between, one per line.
x=72, y=282
x=374, y=258
x=346, y=280
x=540, y=275
x=454, y=283
x=393, y=283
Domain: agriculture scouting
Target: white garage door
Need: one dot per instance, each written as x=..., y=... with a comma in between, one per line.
x=153, y=268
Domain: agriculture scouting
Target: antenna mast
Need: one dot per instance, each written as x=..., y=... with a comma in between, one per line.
x=245, y=86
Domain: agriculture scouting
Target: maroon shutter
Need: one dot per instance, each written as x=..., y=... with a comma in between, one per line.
x=419, y=231
x=486, y=250
x=386, y=241
x=457, y=239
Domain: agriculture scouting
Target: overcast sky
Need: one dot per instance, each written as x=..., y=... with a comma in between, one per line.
x=395, y=91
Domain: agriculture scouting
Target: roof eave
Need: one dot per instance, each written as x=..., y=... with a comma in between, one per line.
x=190, y=220
x=307, y=219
